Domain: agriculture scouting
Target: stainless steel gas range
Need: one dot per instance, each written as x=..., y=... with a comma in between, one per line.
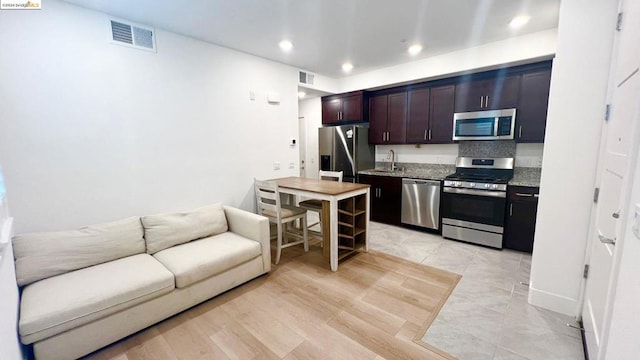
x=474, y=200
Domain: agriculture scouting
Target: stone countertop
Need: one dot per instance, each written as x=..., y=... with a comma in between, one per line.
x=521, y=176
x=526, y=177
x=415, y=171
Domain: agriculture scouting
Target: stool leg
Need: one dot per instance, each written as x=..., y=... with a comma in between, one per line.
x=279, y=243
x=305, y=233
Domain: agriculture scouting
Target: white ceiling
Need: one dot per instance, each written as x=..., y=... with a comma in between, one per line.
x=326, y=33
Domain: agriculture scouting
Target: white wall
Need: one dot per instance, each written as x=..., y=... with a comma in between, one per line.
x=311, y=110
x=91, y=131
x=574, y=121
x=425, y=154
x=527, y=155
x=515, y=50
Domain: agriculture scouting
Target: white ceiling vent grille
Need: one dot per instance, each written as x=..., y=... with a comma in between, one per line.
x=306, y=78
x=127, y=34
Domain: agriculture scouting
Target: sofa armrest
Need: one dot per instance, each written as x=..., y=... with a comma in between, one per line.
x=251, y=226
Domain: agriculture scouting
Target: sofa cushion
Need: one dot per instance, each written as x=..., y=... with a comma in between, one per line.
x=163, y=231
x=206, y=257
x=56, y=304
x=42, y=255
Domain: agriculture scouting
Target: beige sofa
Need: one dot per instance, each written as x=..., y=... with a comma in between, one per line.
x=86, y=288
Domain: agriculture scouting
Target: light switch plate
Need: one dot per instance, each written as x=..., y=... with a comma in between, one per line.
x=276, y=166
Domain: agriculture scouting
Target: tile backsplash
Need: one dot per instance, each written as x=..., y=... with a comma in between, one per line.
x=495, y=149
x=526, y=155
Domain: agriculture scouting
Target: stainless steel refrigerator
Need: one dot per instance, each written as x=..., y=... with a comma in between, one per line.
x=346, y=148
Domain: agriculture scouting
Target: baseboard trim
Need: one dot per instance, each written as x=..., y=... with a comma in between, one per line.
x=554, y=302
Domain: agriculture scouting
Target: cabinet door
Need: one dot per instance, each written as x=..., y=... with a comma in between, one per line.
x=397, y=118
x=441, y=114
x=331, y=110
x=418, y=116
x=390, y=200
x=488, y=94
x=522, y=206
x=352, y=108
x=470, y=95
x=378, y=119
x=531, y=116
x=377, y=204
x=503, y=93
x=385, y=198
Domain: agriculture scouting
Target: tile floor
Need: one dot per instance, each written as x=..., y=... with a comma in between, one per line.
x=487, y=316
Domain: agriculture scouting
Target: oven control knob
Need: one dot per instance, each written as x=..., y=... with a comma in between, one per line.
x=487, y=185
x=457, y=183
x=494, y=186
x=472, y=184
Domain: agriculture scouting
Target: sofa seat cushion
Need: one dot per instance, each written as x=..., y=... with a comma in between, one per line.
x=62, y=302
x=200, y=259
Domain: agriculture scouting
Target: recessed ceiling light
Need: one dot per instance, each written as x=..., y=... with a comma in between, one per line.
x=301, y=94
x=346, y=67
x=519, y=21
x=415, y=49
x=285, y=45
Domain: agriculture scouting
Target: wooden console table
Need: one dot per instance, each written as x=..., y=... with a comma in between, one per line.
x=346, y=205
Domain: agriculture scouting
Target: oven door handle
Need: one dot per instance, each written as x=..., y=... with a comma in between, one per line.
x=498, y=194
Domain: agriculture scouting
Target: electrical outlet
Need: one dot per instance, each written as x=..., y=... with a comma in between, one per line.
x=276, y=166
x=291, y=165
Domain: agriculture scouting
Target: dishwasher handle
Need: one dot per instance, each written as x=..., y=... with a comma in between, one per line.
x=420, y=182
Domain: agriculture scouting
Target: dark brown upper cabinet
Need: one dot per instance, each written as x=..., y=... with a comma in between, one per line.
x=430, y=119
x=418, y=119
x=531, y=115
x=388, y=118
x=344, y=108
x=487, y=94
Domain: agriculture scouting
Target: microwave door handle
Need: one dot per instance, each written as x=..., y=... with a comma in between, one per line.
x=495, y=126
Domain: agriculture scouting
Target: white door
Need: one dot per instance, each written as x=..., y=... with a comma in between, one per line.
x=302, y=143
x=621, y=134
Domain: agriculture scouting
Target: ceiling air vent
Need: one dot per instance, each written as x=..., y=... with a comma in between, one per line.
x=127, y=34
x=306, y=78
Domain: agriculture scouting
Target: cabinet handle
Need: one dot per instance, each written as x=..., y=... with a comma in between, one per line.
x=520, y=132
x=481, y=101
x=511, y=209
x=387, y=135
x=425, y=134
x=486, y=101
x=525, y=195
x=536, y=195
x=380, y=192
x=429, y=134
x=384, y=136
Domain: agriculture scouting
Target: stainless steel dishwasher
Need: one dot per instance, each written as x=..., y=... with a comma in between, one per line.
x=421, y=203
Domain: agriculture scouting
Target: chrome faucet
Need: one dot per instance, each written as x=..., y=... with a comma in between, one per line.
x=391, y=155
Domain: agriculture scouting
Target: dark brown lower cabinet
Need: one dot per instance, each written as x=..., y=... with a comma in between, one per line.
x=386, y=195
x=520, y=224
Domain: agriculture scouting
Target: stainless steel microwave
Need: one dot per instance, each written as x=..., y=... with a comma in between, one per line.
x=484, y=125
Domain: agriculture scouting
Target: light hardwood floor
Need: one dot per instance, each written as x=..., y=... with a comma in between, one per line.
x=376, y=306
